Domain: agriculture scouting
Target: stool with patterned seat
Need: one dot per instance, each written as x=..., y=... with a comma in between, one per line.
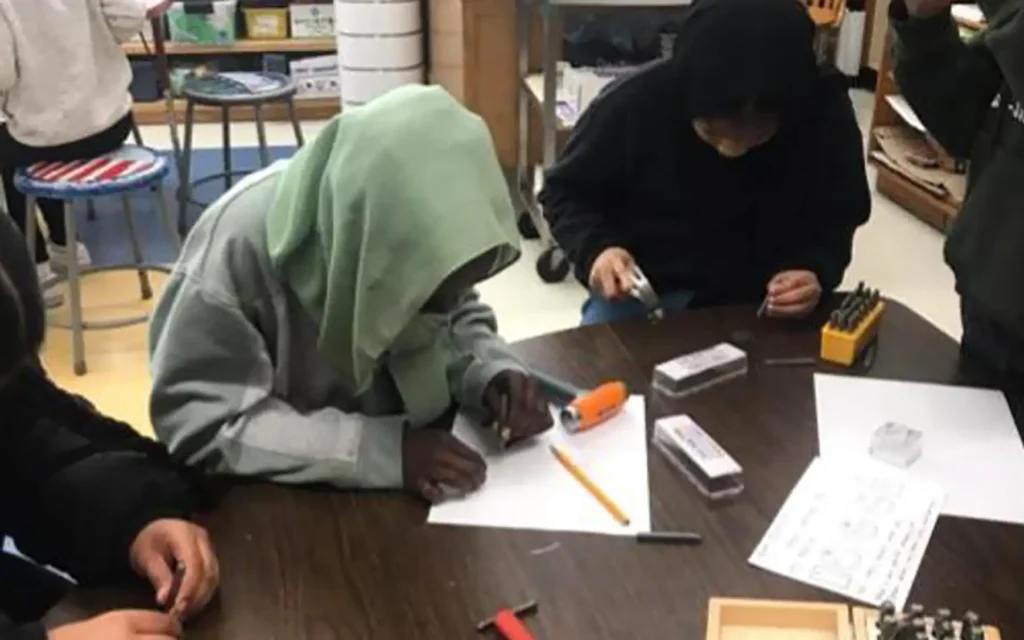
x=130, y=168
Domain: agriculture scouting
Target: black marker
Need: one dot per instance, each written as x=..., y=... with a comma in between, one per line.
x=669, y=537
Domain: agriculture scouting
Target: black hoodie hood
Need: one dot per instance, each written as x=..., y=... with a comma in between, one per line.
x=734, y=54
x=22, y=317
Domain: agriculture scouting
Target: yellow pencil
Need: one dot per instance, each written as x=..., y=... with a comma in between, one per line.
x=589, y=485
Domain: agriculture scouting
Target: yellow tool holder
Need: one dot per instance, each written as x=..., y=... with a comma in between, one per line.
x=844, y=347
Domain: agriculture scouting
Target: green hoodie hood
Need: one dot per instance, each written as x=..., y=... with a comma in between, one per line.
x=371, y=218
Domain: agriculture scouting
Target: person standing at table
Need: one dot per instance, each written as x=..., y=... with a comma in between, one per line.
x=969, y=96
x=730, y=172
x=321, y=325
x=64, y=96
x=82, y=492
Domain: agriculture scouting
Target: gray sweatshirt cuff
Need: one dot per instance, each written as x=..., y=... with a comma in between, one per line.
x=380, y=453
x=479, y=375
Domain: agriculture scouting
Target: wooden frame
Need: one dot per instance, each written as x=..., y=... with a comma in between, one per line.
x=742, y=619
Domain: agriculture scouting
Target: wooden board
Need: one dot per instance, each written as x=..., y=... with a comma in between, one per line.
x=287, y=45
x=313, y=109
x=741, y=619
x=864, y=626
x=931, y=209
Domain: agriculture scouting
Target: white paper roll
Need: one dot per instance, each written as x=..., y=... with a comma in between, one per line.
x=374, y=18
x=388, y=52
x=360, y=87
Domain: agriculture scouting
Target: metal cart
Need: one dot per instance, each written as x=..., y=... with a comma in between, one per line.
x=552, y=265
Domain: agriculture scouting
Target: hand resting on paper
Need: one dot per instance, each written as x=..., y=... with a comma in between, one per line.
x=518, y=406
x=435, y=463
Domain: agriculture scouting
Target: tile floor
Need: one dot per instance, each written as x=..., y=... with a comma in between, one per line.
x=894, y=252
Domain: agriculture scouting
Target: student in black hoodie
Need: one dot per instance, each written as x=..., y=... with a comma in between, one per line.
x=731, y=172
x=971, y=98
x=82, y=492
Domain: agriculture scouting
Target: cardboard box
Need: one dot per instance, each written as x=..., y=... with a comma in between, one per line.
x=312, y=20
x=316, y=77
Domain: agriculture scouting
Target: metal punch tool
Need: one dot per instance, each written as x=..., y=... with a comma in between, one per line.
x=644, y=292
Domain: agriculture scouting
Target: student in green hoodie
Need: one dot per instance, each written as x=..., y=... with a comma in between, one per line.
x=969, y=96
x=321, y=324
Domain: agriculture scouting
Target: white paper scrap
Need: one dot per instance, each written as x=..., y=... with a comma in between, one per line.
x=859, y=530
x=527, y=488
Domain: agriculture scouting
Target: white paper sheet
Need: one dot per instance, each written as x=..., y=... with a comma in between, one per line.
x=970, y=445
x=527, y=488
x=858, y=529
x=906, y=112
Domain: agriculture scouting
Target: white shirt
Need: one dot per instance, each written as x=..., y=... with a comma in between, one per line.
x=63, y=76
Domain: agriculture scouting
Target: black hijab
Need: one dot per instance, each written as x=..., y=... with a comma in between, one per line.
x=734, y=54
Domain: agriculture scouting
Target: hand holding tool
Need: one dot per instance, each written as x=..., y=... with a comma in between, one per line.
x=644, y=292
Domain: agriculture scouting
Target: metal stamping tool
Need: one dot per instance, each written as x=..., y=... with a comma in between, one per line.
x=644, y=292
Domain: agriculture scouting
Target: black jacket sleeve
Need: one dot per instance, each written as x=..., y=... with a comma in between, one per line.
x=77, y=487
x=584, y=180
x=949, y=83
x=11, y=631
x=838, y=199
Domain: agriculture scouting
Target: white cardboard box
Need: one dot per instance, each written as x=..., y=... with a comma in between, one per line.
x=312, y=20
x=316, y=77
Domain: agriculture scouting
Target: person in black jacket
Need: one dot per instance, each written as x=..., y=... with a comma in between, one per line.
x=82, y=492
x=730, y=172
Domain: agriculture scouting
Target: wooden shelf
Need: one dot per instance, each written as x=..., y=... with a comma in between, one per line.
x=925, y=206
x=312, y=109
x=289, y=45
x=929, y=208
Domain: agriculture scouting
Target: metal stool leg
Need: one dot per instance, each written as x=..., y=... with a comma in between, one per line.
x=261, y=133
x=165, y=215
x=185, y=186
x=30, y=227
x=225, y=118
x=299, y=140
x=129, y=218
x=75, y=291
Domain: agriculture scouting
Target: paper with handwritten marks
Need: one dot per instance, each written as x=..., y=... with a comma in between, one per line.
x=857, y=529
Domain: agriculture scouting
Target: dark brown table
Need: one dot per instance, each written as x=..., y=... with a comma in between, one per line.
x=322, y=565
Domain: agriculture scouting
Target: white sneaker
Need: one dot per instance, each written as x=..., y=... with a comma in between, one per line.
x=59, y=257
x=51, y=297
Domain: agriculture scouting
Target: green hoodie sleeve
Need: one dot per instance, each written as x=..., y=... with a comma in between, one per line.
x=951, y=84
x=212, y=403
x=484, y=354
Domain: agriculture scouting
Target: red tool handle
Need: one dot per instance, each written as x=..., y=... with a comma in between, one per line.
x=510, y=627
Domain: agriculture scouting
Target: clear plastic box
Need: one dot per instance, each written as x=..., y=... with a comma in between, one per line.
x=702, y=460
x=896, y=444
x=698, y=370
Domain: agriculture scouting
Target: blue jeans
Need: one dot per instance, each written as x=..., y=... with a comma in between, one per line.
x=597, y=310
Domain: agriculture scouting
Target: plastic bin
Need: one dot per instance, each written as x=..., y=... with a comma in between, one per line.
x=312, y=20
x=208, y=23
x=265, y=24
